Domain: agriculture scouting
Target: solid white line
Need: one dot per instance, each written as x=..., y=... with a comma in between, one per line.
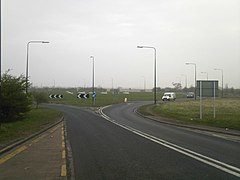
x=207, y=160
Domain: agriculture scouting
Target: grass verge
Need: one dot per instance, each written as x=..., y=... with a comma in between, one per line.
x=34, y=120
x=227, y=112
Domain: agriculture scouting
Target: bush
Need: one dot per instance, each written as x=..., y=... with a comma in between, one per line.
x=14, y=101
x=39, y=97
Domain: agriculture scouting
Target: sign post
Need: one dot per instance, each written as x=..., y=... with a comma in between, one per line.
x=207, y=89
x=214, y=100
x=94, y=97
x=200, y=99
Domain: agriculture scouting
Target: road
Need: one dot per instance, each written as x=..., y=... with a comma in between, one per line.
x=119, y=144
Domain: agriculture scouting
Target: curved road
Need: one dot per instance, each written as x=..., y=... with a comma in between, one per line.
x=119, y=144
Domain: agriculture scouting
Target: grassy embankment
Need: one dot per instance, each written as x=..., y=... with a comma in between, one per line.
x=227, y=112
x=33, y=121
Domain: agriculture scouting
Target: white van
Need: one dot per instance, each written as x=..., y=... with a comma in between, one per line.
x=168, y=96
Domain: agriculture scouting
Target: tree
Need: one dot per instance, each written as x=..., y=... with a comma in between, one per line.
x=14, y=101
x=177, y=86
x=39, y=97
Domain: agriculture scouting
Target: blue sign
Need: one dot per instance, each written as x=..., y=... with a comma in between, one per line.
x=94, y=94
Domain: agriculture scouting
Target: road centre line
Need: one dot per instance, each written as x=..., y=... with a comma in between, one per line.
x=197, y=156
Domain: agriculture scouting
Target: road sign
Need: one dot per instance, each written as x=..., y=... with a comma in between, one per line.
x=94, y=94
x=208, y=88
x=84, y=96
x=56, y=96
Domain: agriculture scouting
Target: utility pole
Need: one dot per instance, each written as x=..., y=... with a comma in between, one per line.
x=0, y=53
x=93, y=89
x=195, y=69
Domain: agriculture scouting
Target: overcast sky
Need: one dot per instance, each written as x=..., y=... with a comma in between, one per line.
x=205, y=32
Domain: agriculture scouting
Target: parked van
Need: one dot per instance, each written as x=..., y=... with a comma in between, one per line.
x=169, y=96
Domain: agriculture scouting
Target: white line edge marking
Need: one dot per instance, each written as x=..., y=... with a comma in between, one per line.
x=228, y=168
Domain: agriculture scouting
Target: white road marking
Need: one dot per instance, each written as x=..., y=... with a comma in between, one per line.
x=207, y=160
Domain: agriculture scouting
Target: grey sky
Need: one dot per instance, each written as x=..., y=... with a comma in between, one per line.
x=206, y=32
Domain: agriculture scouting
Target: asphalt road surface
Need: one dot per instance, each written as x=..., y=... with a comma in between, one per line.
x=119, y=144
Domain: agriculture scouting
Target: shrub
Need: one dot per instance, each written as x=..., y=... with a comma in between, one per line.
x=14, y=101
x=39, y=97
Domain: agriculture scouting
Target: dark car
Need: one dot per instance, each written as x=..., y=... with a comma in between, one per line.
x=190, y=95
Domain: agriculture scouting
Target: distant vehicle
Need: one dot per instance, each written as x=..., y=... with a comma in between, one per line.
x=190, y=95
x=105, y=92
x=169, y=96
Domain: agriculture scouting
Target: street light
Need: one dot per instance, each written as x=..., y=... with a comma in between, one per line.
x=93, y=98
x=27, y=59
x=144, y=83
x=195, y=77
x=155, y=71
x=205, y=73
x=0, y=54
x=222, y=77
x=185, y=80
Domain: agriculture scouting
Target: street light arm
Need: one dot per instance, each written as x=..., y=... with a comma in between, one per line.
x=189, y=63
x=147, y=47
x=38, y=42
x=218, y=69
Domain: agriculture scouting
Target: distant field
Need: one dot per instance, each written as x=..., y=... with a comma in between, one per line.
x=106, y=99
x=103, y=99
x=227, y=112
x=34, y=121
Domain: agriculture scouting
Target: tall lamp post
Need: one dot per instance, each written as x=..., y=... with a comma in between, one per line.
x=155, y=71
x=0, y=52
x=205, y=73
x=222, y=77
x=93, y=98
x=195, y=69
x=144, y=83
x=185, y=80
x=30, y=42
